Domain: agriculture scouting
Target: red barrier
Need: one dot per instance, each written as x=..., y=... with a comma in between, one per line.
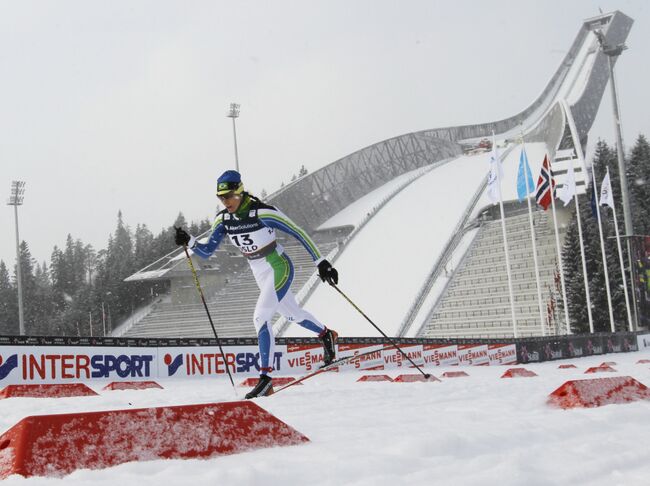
x=518, y=373
x=277, y=381
x=454, y=374
x=131, y=385
x=567, y=366
x=608, y=363
x=50, y=390
x=596, y=392
x=375, y=378
x=600, y=369
x=643, y=361
x=56, y=445
x=414, y=378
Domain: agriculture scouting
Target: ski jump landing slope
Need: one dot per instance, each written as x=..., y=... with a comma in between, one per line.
x=383, y=267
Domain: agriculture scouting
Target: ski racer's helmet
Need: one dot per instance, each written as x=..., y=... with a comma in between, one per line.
x=229, y=182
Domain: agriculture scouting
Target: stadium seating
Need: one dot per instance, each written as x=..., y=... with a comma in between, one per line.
x=231, y=307
x=476, y=302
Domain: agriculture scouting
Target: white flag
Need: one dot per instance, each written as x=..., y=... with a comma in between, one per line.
x=493, y=176
x=606, y=196
x=568, y=189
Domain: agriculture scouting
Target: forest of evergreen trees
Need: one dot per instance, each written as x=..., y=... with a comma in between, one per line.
x=82, y=286
x=638, y=170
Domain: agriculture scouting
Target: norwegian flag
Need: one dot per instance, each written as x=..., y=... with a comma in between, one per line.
x=544, y=183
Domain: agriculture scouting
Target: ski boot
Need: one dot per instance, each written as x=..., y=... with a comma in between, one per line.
x=263, y=388
x=329, y=339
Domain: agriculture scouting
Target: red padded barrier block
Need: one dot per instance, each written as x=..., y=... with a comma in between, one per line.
x=56, y=445
x=643, y=361
x=277, y=381
x=518, y=373
x=599, y=369
x=375, y=378
x=596, y=392
x=131, y=385
x=413, y=378
x=608, y=363
x=567, y=366
x=50, y=390
x=454, y=374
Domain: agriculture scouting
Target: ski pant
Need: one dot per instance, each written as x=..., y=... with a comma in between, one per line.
x=274, y=275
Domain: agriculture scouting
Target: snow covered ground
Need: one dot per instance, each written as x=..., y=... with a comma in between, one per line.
x=479, y=429
x=356, y=212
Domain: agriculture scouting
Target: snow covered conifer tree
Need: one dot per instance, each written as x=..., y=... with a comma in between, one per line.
x=8, y=303
x=638, y=167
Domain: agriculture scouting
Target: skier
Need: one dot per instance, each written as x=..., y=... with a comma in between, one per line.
x=251, y=226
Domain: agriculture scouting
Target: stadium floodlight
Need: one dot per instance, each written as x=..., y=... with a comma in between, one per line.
x=16, y=199
x=612, y=52
x=233, y=113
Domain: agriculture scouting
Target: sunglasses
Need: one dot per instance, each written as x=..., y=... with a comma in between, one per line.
x=226, y=190
x=229, y=195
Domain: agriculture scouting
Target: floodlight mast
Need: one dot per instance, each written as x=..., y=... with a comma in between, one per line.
x=233, y=113
x=16, y=199
x=612, y=52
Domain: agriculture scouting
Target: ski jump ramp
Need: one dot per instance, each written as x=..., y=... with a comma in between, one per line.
x=387, y=263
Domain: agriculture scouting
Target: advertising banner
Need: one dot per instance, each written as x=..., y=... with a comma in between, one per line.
x=502, y=354
x=473, y=355
x=33, y=363
x=575, y=346
x=56, y=364
x=303, y=358
x=394, y=359
x=440, y=354
x=372, y=361
x=207, y=361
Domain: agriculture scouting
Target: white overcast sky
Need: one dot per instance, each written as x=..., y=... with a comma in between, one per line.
x=109, y=105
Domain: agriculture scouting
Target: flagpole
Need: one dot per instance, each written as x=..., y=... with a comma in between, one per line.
x=620, y=257
x=602, y=249
x=578, y=148
x=584, y=262
x=533, y=239
x=505, y=237
x=559, y=251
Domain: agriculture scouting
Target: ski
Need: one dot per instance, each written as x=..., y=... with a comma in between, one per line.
x=332, y=365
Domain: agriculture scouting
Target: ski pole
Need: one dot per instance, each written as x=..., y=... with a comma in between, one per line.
x=198, y=287
x=426, y=375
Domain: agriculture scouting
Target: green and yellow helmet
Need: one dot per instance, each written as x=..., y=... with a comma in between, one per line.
x=229, y=182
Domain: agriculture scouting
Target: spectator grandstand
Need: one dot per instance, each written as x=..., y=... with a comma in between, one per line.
x=476, y=301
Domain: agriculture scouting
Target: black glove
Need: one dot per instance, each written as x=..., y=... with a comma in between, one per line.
x=182, y=238
x=328, y=273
